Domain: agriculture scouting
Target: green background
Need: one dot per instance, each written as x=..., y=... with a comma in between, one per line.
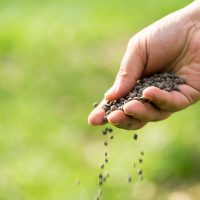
x=56, y=59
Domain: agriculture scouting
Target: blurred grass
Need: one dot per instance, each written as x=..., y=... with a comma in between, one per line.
x=56, y=59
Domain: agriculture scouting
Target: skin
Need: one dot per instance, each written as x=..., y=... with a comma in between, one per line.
x=171, y=44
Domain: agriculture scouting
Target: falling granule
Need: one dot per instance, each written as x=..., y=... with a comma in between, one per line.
x=111, y=137
x=139, y=171
x=129, y=179
x=140, y=160
x=110, y=130
x=104, y=132
x=135, y=136
x=95, y=104
x=106, y=128
x=101, y=166
x=105, y=143
x=104, y=179
x=100, y=183
x=100, y=175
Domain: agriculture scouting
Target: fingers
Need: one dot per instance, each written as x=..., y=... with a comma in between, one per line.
x=97, y=115
x=137, y=114
x=144, y=111
x=166, y=101
x=120, y=120
x=117, y=118
x=130, y=71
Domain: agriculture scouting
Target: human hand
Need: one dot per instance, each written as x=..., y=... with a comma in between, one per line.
x=171, y=44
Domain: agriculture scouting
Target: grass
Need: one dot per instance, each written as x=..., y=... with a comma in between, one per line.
x=56, y=59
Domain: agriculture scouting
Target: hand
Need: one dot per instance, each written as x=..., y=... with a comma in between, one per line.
x=171, y=44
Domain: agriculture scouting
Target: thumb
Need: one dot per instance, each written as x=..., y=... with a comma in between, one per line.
x=130, y=71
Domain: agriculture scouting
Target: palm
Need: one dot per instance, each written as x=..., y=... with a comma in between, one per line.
x=174, y=46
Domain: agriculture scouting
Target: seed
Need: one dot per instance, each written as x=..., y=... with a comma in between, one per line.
x=106, y=108
x=100, y=183
x=137, y=87
x=142, y=153
x=120, y=108
x=111, y=137
x=113, y=108
x=105, y=143
x=140, y=160
x=104, y=179
x=104, y=132
x=106, y=154
x=106, y=160
x=164, y=81
x=100, y=175
x=108, y=112
x=136, y=98
x=102, y=166
x=139, y=171
x=135, y=136
x=175, y=87
x=126, y=101
x=129, y=179
x=95, y=104
x=168, y=89
x=110, y=130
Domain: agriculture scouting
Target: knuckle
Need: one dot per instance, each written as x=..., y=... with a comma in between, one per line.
x=123, y=73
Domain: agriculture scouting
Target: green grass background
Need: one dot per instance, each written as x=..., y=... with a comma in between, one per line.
x=56, y=59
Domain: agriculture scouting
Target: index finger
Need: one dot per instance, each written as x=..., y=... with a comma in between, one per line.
x=96, y=117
